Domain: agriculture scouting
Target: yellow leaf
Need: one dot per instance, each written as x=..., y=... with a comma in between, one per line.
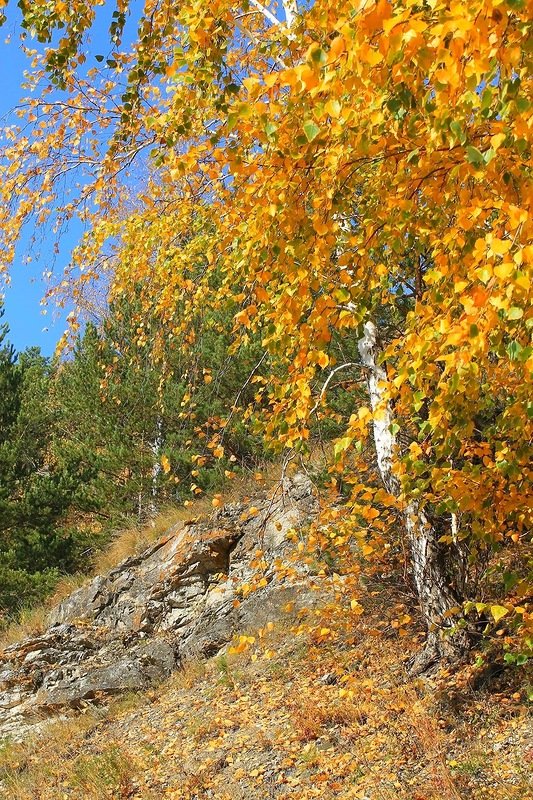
x=308, y=77
x=500, y=246
x=337, y=47
x=333, y=108
x=165, y=464
x=504, y=270
x=497, y=140
x=498, y=612
x=356, y=607
x=370, y=55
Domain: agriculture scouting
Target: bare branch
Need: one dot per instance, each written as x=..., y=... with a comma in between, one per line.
x=328, y=380
x=240, y=393
x=291, y=10
x=265, y=12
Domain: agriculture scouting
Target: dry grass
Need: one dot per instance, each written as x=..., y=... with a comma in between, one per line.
x=249, y=726
x=25, y=768
x=132, y=540
x=429, y=739
x=127, y=542
x=31, y=623
x=235, y=727
x=311, y=720
x=192, y=672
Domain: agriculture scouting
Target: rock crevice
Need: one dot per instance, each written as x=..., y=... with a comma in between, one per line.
x=133, y=626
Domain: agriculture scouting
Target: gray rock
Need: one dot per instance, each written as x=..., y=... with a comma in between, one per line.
x=132, y=627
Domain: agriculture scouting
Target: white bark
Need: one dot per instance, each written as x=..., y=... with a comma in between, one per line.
x=384, y=439
x=140, y=509
x=265, y=12
x=290, y=9
x=156, y=465
x=434, y=593
x=328, y=381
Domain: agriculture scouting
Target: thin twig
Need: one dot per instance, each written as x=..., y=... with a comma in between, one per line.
x=328, y=379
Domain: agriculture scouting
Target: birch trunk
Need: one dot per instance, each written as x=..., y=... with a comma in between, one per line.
x=156, y=466
x=435, y=595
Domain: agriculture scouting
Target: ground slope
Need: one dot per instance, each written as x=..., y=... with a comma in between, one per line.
x=291, y=709
x=288, y=718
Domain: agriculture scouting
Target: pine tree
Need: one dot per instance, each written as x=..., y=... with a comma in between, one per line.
x=38, y=495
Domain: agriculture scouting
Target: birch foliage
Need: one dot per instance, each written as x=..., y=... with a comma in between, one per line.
x=353, y=162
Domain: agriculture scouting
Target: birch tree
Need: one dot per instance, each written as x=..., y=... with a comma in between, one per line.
x=353, y=162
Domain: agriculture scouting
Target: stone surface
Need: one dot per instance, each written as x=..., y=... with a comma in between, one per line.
x=132, y=627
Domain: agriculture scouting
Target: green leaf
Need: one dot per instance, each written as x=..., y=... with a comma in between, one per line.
x=319, y=56
x=514, y=349
x=341, y=446
x=474, y=156
x=510, y=579
x=270, y=129
x=244, y=110
x=486, y=98
x=457, y=130
x=343, y=295
x=311, y=130
x=522, y=104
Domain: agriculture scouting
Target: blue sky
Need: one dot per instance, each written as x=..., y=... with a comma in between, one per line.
x=29, y=321
x=23, y=311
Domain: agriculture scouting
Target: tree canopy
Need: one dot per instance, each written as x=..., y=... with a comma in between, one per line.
x=340, y=172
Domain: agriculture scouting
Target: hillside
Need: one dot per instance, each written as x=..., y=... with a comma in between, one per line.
x=283, y=235
x=289, y=710
x=183, y=597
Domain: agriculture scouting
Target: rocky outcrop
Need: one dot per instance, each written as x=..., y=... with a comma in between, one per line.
x=134, y=626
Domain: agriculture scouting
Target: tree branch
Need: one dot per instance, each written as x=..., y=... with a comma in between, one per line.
x=265, y=12
x=291, y=10
x=328, y=380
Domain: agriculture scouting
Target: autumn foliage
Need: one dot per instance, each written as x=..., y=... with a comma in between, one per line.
x=320, y=167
